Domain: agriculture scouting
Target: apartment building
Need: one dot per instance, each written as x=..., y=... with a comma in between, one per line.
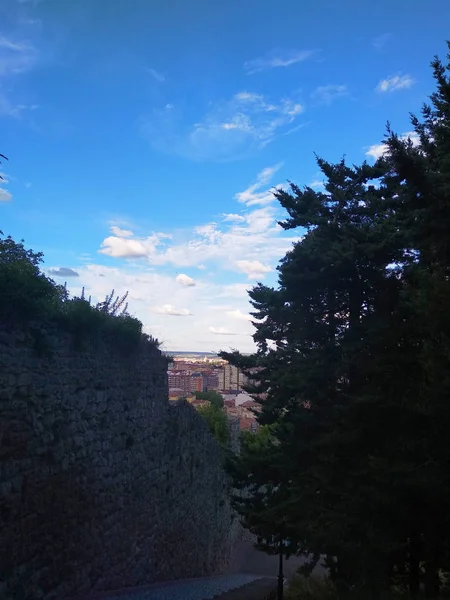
x=185, y=380
x=197, y=383
x=232, y=379
x=210, y=381
x=179, y=380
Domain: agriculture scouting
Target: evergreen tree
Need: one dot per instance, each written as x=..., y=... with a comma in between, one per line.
x=211, y=396
x=424, y=173
x=354, y=352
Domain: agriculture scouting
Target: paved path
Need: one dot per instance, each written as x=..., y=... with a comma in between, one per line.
x=249, y=565
x=188, y=589
x=250, y=560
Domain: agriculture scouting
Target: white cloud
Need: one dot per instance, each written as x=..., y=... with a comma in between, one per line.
x=122, y=233
x=251, y=196
x=377, y=150
x=185, y=279
x=157, y=75
x=5, y=196
x=317, y=184
x=325, y=94
x=230, y=254
x=276, y=59
x=233, y=217
x=155, y=298
x=238, y=314
x=239, y=245
x=253, y=268
x=221, y=331
x=119, y=247
x=231, y=129
x=168, y=309
x=394, y=83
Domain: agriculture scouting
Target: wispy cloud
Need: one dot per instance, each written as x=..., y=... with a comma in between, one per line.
x=317, y=184
x=221, y=331
x=276, y=59
x=233, y=217
x=245, y=246
x=253, y=195
x=230, y=130
x=16, y=56
x=239, y=315
x=325, y=94
x=377, y=150
x=381, y=40
x=8, y=108
x=157, y=75
x=168, y=309
x=5, y=196
x=394, y=83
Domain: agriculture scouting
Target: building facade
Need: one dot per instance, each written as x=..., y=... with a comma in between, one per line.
x=232, y=379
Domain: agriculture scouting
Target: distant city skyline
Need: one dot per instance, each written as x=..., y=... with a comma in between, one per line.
x=195, y=352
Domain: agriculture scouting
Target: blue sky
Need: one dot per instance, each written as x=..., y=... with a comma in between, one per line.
x=144, y=137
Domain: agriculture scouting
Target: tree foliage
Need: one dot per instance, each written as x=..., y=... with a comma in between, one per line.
x=28, y=295
x=354, y=356
x=211, y=396
x=216, y=419
x=24, y=289
x=2, y=156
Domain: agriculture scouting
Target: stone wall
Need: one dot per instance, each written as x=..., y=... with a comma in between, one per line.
x=103, y=484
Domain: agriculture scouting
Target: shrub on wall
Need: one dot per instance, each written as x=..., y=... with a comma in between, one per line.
x=27, y=294
x=25, y=291
x=216, y=420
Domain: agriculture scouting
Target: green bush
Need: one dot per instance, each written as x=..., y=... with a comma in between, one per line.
x=24, y=290
x=27, y=294
x=217, y=422
x=211, y=396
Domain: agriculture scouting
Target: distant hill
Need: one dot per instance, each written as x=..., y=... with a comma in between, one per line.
x=191, y=354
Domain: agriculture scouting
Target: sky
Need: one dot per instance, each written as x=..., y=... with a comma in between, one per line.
x=144, y=138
